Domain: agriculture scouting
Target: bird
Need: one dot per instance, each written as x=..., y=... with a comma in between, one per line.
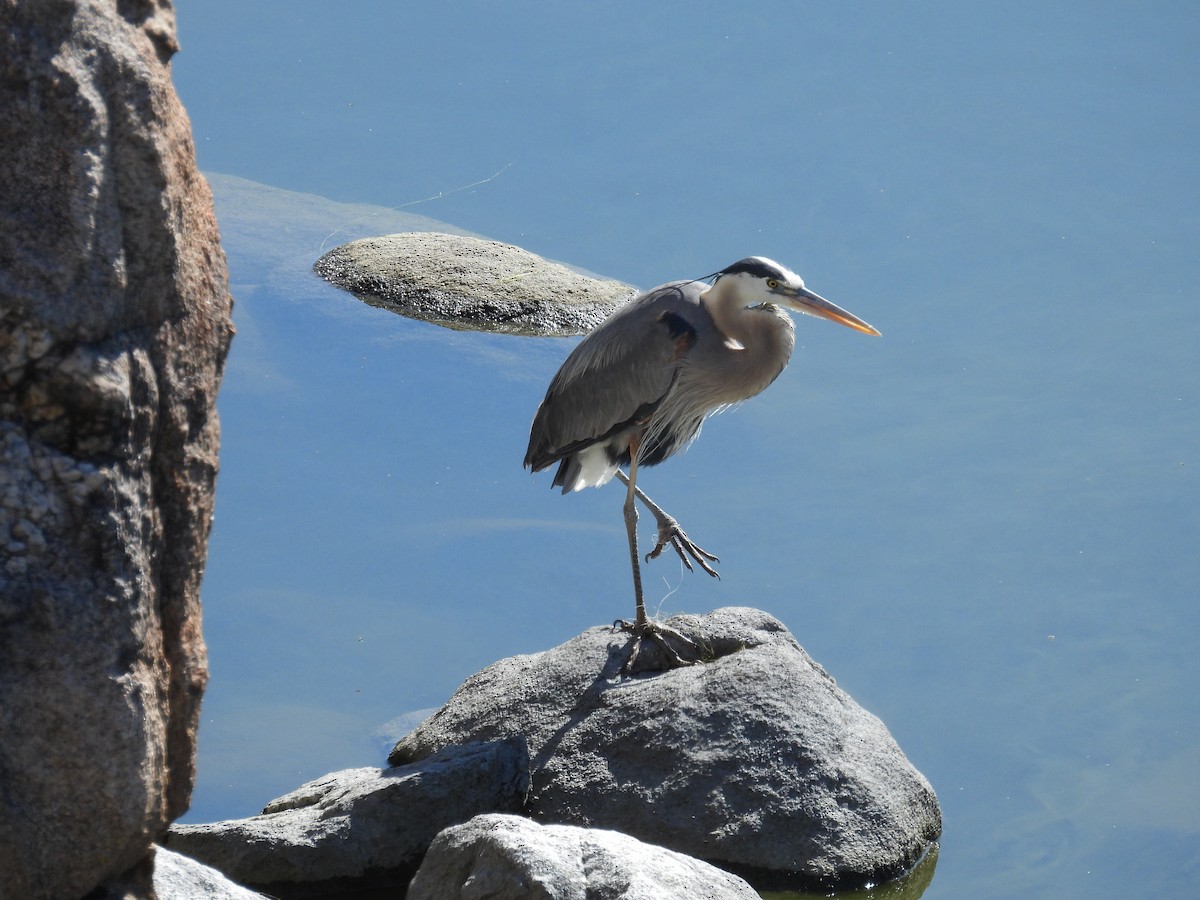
x=637, y=389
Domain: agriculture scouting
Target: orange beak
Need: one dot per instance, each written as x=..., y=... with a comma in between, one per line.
x=805, y=301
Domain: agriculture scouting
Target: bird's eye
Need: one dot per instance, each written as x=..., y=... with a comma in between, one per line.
x=772, y=283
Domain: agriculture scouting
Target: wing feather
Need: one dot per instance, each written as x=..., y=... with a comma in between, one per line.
x=617, y=376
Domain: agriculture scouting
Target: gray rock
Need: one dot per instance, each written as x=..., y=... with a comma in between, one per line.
x=510, y=858
x=176, y=877
x=472, y=284
x=370, y=825
x=114, y=327
x=753, y=759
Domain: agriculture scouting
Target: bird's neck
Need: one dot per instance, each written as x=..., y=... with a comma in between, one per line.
x=762, y=330
x=761, y=337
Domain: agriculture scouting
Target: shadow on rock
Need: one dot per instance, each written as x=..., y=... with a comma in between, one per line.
x=753, y=759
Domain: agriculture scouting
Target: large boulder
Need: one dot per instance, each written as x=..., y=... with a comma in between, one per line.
x=360, y=828
x=753, y=759
x=114, y=326
x=511, y=858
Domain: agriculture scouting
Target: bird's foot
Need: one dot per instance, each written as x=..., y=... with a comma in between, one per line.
x=669, y=532
x=666, y=657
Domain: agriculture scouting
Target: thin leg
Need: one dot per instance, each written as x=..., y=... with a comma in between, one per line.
x=642, y=626
x=669, y=531
x=631, y=517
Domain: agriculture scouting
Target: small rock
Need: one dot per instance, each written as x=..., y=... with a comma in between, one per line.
x=176, y=877
x=753, y=758
x=469, y=283
x=510, y=858
x=369, y=824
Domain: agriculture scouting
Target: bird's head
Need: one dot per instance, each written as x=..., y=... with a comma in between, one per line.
x=756, y=280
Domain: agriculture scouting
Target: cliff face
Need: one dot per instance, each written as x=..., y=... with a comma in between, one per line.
x=114, y=327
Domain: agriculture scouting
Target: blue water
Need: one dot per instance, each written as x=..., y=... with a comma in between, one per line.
x=985, y=524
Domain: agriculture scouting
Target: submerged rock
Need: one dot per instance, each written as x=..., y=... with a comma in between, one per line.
x=360, y=828
x=510, y=858
x=753, y=759
x=471, y=284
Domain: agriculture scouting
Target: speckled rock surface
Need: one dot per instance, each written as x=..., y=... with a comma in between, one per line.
x=753, y=759
x=472, y=284
x=510, y=858
x=114, y=327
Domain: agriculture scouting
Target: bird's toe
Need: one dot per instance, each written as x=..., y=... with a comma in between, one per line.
x=656, y=648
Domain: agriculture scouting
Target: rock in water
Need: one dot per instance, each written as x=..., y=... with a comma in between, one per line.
x=114, y=326
x=753, y=759
x=470, y=283
x=510, y=858
x=360, y=829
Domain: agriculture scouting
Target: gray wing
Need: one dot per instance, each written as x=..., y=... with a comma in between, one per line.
x=618, y=375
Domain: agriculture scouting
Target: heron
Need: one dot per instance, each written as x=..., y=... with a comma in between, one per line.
x=637, y=389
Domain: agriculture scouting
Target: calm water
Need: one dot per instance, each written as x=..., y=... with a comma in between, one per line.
x=985, y=524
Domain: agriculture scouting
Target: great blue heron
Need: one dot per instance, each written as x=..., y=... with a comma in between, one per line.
x=638, y=388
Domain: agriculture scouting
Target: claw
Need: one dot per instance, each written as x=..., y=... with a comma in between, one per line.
x=669, y=532
x=658, y=634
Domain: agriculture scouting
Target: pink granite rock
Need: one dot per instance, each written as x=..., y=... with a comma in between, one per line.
x=114, y=326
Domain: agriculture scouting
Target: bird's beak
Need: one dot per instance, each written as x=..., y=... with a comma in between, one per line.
x=805, y=301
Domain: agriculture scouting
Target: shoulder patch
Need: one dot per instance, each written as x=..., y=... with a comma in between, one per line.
x=682, y=333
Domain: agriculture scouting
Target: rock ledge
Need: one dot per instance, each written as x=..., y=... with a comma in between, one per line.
x=360, y=828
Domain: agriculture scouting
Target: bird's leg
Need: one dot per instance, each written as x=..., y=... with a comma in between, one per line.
x=670, y=532
x=631, y=518
x=641, y=625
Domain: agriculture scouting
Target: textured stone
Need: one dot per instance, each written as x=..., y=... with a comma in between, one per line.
x=114, y=326
x=753, y=759
x=176, y=877
x=509, y=858
x=361, y=827
x=471, y=283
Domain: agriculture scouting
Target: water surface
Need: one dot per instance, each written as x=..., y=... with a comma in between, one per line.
x=984, y=523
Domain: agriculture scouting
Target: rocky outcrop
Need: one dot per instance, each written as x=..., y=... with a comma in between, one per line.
x=471, y=283
x=753, y=759
x=511, y=858
x=114, y=326
x=361, y=828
